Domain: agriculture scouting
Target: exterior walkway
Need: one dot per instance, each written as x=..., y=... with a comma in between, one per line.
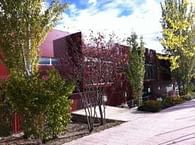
x=172, y=126
x=117, y=113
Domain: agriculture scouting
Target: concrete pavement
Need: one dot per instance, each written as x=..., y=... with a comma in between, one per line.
x=117, y=113
x=172, y=126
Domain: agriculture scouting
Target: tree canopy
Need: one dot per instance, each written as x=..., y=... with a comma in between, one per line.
x=177, y=22
x=136, y=70
x=24, y=25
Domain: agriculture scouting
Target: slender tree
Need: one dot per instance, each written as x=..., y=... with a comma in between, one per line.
x=177, y=20
x=95, y=64
x=24, y=25
x=136, y=70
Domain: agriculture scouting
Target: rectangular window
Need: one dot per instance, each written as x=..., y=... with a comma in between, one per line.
x=150, y=71
x=47, y=61
x=54, y=61
x=44, y=61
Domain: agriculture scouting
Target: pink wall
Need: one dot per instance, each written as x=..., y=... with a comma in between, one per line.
x=46, y=48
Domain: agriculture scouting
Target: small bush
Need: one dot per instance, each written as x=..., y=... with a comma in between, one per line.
x=157, y=105
x=151, y=106
x=171, y=101
x=192, y=87
x=187, y=97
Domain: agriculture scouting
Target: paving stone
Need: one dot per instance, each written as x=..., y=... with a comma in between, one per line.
x=172, y=126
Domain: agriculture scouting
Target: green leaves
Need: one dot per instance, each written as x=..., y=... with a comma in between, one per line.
x=135, y=69
x=24, y=25
x=44, y=103
x=177, y=20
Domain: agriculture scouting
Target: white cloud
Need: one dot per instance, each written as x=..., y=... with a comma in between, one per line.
x=45, y=6
x=144, y=20
x=92, y=1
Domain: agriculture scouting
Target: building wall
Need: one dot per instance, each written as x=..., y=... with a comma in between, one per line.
x=47, y=47
x=67, y=51
x=72, y=54
x=157, y=76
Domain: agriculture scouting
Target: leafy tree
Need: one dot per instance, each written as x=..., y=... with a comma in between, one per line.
x=43, y=102
x=177, y=20
x=96, y=64
x=24, y=25
x=135, y=69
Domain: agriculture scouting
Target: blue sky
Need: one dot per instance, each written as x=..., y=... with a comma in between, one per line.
x=115, y=16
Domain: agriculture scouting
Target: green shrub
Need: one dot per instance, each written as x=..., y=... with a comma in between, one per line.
x=151, y=106
x=192, y=87
x=5, y=120
x=5, y=113
x=44, y=103
x=171, y=101
x=187, y=97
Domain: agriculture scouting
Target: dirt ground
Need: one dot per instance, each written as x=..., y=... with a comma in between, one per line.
x=73, y=131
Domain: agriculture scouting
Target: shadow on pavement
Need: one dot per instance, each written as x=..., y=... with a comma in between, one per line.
x=175, y=130
x=186, y=105
x=178, y=139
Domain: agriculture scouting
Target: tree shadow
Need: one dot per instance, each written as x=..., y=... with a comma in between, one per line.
x=192, y=117
x=186, y=105
x=175, y=130
x=178, y=139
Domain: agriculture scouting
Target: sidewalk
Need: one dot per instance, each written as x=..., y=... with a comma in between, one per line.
x=117, y=113
x=172, y=126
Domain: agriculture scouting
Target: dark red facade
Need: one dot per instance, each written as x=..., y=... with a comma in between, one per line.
x=157, y=75
x=73, y=58
x=72, y=53
x=47, y=47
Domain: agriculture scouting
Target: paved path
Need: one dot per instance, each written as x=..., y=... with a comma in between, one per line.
x=118, y=113
x=172, y=126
